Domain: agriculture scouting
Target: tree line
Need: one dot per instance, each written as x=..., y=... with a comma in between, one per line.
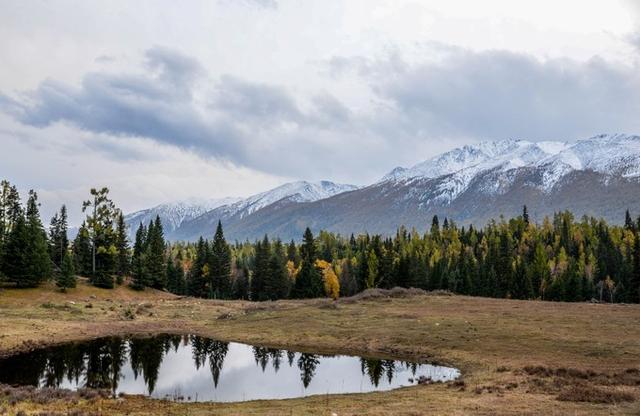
x=560, y=259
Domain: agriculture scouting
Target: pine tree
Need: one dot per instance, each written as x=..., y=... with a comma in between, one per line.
x=58, y=240
x=66, y=278
x=140, y=276
x=122, y=246
x=155, y=253
x=16, y=255
x=100, y=220
x=525, y=215
x=309, y=281
x=276, y=284
x=37, y=248
x=82, y=251
x=220, y=265
x=175, y=277
x=628, y=222
x=197, y=283
x=261, y=270
x=241, y=287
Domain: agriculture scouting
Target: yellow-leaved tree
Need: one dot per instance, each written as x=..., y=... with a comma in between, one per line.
x=331, y=283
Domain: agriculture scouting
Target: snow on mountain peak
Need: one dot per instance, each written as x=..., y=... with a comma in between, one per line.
x=300, y=191
x=609, y=154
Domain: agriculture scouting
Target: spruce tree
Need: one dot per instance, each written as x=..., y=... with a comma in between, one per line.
x=220, y=265
x=66, y=278
x=261, y=270
x=309, y=283
x=139, y=273
x=58, y=240
x=101, y=216
x=156, y=267
x=276, y=285
x=82, y=253
x=37, y=248
x=197, y=283
x=122, y=246
x=17, y=260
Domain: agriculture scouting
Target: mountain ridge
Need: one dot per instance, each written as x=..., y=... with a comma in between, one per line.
x=470, y=184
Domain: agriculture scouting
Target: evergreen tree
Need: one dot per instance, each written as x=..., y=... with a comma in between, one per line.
x=241, y=287
x=66, y=278
x=175, y=277
x=58, y=240
x=309, y=283
x=220, y=265
x=261, y=270
x=122, y=246
x=17, y=260
x=102, y=214
x=140, y=276
x=82, y=253
x=525, y=215
x=276, y=284
x=155, y=255
x=197, y=283
x=37, y=247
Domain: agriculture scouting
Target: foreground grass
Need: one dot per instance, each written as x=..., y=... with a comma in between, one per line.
x=513, y=355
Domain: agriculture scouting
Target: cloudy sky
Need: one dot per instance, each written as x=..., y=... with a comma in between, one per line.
x=165, y=100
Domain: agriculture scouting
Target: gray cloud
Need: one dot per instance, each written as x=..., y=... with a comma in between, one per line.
x=461, y=96
x=499, y=94
x=250, y=124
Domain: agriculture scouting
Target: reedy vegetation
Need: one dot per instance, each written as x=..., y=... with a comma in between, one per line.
x=559, y=259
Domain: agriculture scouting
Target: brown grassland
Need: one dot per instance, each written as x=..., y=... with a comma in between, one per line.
x=516, y=357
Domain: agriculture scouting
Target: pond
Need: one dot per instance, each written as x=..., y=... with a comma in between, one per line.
x=194, y=368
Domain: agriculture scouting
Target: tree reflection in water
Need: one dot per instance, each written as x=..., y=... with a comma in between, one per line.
x=99, y=363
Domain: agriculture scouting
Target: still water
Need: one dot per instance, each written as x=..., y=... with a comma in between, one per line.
x=194, y=368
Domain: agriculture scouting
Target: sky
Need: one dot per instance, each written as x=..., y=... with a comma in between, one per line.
x=163, y=101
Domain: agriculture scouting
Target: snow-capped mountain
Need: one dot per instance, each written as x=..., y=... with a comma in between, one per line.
x=606, y=154
x=174, y=214
x=598, y=176
x=301, y=191
x=294, y=192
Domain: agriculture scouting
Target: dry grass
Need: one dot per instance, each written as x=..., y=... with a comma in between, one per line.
x=497, y=344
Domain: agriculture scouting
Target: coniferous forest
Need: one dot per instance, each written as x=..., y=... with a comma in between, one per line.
x=561, y=258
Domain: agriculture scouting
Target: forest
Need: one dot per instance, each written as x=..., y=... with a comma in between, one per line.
x=560, y=258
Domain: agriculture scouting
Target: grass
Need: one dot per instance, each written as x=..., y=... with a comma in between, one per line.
x=516, y=357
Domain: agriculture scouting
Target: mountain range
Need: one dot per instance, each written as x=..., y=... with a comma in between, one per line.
x=598, y=176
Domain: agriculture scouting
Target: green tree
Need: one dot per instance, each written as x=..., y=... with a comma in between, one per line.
x=122, y=246
x=58, y=240
x=102, y=214
x=37, y=248
x=66, y=278
x=309, y=283
x=261, y=270
x=276, y=285
x=220, y=265
x=82, y=251
x=156, y=262
x=139, y=273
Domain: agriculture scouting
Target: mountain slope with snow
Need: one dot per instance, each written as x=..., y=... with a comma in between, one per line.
x=289, y=193
x=598, y=176
x=174, y=214
x=604, y=154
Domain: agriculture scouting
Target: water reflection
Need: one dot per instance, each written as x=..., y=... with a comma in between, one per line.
x=197, y=368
